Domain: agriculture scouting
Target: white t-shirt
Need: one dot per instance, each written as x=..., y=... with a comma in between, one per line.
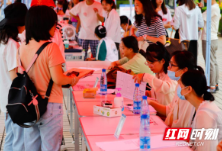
x=108, y=47
x=165, y=17
x=215, y=19
x=88, y=18
x=8, y=62
x=112, y=24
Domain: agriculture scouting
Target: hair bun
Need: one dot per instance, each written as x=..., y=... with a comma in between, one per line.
x=208, y=96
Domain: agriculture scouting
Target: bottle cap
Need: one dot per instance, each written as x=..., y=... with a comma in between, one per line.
x=144, y=97
x=118, y=94
x=137, y=85
x=103, y=70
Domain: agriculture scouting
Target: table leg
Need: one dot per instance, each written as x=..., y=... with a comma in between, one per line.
x=83, y=141
x=76, y=123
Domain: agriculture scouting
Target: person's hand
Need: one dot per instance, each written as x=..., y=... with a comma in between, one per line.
x=138, y=78
x=95, y=10
x=149, y=102
x=140, y=38
x=77, y=30
x=219, y=146
x=113, y=64
x=74, y=80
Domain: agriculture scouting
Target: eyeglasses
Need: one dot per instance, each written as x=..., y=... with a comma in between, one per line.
x=172, y=65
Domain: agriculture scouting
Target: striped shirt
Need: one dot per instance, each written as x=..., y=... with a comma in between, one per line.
x=156, y=29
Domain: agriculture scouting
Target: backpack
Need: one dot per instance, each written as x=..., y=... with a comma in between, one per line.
x=25, y=105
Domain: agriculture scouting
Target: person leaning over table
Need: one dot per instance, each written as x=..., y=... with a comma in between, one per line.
x=40, y=27
x=179, y=113
x=148, y=22
x=162, y=87
x=106, y=49
x=194, y=89
x=133, y=59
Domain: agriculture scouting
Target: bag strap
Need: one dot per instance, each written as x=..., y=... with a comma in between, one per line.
x=36, y=55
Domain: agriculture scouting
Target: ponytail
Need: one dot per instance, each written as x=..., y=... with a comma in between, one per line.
x=199, y=68
x=208, y=96
x=142, y=52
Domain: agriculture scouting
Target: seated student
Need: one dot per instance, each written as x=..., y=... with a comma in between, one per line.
x=40, y=27
x=163, y=87
x=194, y=89
x=133, y=59
x=106, y=49
x=179, y=112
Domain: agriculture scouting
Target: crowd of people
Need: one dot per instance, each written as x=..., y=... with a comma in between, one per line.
x=178, y=87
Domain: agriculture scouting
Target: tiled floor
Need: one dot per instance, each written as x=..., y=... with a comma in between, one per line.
x=69, y=143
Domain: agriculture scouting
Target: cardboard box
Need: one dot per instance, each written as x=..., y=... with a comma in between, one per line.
x=108, y=112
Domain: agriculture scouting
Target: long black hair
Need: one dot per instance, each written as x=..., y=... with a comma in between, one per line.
x=8, y=32
x=150, y=13
x=163, y=6
x=185, y=59
x=197, y=80
x=158, y=52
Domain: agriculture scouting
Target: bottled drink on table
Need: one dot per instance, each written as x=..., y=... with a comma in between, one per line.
x=145, y=126
x=136, y=100
x=103, y=86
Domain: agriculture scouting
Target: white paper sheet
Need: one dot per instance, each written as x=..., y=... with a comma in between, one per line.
x=127, y=85
x=133, y=144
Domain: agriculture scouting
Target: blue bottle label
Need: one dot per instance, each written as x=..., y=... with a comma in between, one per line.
x=142, y=142
x=103, y=88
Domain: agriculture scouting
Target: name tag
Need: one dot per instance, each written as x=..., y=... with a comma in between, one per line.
x=120, y=126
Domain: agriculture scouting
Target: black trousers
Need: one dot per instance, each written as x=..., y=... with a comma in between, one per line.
x=193, y=46
x=117, y=46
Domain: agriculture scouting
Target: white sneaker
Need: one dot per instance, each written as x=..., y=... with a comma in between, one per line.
x=63, y=148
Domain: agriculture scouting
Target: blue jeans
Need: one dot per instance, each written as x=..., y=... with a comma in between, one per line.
x=14, y=140
x=46, y=135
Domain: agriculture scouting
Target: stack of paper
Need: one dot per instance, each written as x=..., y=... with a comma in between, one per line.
x=133, y=144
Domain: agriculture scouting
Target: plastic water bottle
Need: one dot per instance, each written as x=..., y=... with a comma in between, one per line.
x=136, y=100
x=103, y=86
x=83, y=54
x=145, y=126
